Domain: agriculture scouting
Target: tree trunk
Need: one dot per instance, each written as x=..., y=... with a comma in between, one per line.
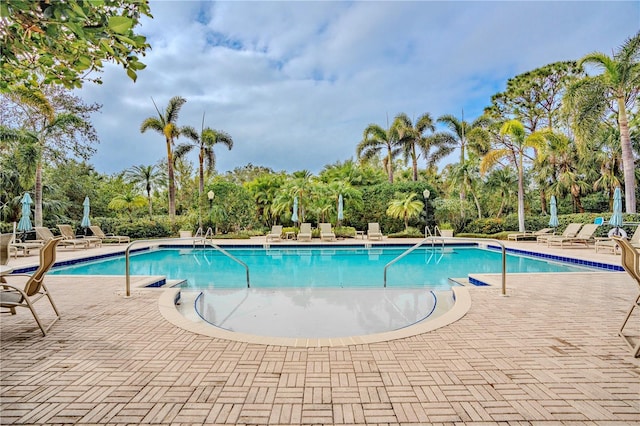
x=172, y=184
x=414, y=158
x=38, y=195
x=627, y=158
x=521, y=227
x=150, y=203
x=390, y=167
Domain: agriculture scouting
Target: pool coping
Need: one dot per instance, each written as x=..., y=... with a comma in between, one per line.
x=168, y=309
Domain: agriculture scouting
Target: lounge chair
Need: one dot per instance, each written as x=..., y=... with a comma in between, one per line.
x=585, y=236
x=12, y=297
x=527, y=235
x=571, y=230
x=15, y=245
x=631, y=263
x=46, y=235
x=97, y=231
x=275, y=234
x=611, y=244
x=326, y=234
x=305, y=232
x=67, y=232
x=373, y=231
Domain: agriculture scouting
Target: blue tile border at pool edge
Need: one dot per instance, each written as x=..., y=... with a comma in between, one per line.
x=564, y=259
x=76, y=261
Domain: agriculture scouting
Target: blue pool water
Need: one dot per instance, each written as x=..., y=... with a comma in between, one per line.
x=316, y=267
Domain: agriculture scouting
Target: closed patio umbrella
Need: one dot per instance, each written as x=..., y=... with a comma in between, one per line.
x=86, y=222
x=294, y=216
x=340, y=209
x=553, y=220
x=616, y=218
x=25, y=220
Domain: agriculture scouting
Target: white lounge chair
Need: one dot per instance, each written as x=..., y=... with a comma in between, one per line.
x=97, y=231
x=570, y=231
x=611, y=244
x=326, y=234
x=585, y=236
x=373, y=231
x=46, y=235
x=527, y=235
x=67, y=232
x=275, y=234
x=305, y=232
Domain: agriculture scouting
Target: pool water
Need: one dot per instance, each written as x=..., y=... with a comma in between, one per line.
x=316, y=267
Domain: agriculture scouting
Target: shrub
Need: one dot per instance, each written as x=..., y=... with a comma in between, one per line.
x=344, y=231
x=408, y=233
x=143, y=229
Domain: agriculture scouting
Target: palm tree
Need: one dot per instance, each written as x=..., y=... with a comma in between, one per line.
x=514, y=144
x=617, y=87
x=503, y=181
x=411, y=136
x=45, y=129
x=127, y=201
x=374, y=139
x=205, y=141
x=146, y=177
x=463, y=134
x=405, y=207
x=167, y=126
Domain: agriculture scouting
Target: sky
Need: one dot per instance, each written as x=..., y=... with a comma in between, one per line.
x=295, y=83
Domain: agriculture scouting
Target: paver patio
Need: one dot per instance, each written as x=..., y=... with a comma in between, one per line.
x=547, y=354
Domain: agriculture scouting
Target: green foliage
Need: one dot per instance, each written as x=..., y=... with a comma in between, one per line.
x=344, y=231
x=143, y=229
x=61, y=42
x=485, y=226
x=375, y=201
x=410, y=232
x=233, y=207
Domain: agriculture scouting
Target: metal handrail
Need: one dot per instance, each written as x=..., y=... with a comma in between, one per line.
x=220, y=249
x=500, y=243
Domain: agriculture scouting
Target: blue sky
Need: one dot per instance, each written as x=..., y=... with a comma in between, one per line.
x=296, y=83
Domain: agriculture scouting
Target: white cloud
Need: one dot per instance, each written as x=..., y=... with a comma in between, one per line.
x=296, y=83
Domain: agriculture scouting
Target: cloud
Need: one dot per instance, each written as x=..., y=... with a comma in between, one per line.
x=296, y=83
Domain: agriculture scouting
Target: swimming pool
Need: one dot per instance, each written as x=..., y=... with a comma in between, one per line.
x=322, y=267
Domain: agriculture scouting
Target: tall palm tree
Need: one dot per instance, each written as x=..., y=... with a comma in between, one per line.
x=205, y=141
x=503, y=181
x=412, y=136
x=464, y=134
x=590, y=99
x=403, y=206
x=513, y=145
x=147, y=178
x=374, y=139
x=166, y=124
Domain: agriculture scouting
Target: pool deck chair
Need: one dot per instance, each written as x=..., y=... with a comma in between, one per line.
x=46, y=235
x=526, y=235
x=12, y=297
x=585, y=236
x=611, y=244
x=571, y=230
x=97, y=232
x=305, y=232
x=15, y=245
x=67, y=232
x=326, y=234
x=373, y=231
x=275, y=234
x=631, y=263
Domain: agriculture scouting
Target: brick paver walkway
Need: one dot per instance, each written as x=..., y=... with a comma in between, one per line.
x=547, y=354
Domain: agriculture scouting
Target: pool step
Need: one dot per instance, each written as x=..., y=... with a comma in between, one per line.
x=186, y=303
x=461, y=281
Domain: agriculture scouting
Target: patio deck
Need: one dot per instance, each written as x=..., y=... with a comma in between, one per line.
x=547, y=354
